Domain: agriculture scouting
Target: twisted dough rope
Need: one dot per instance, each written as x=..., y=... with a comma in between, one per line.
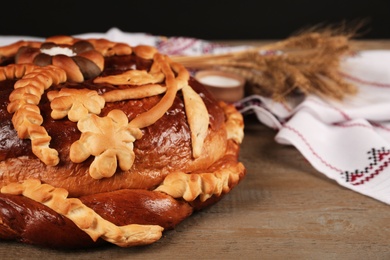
x=103, y=46
x=24, y=100
x=84, y=217
x=15, y=71
x=205, y=184
x=88, y=62
x=26, y=97
x=27, y=92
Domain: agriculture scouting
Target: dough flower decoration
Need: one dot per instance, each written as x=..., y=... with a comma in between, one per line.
x=176, y=78
x=24, y=102
x=74, y=103
x=109, y=139
x=164, y=77
x=124, y=144
x=84, y=217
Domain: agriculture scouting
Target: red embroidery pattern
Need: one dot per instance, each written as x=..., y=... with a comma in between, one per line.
x=179, y=45
x=362, y=81
x=379, y=159
x=311, y=149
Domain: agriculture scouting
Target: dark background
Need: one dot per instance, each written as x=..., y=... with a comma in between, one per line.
x=211, y=20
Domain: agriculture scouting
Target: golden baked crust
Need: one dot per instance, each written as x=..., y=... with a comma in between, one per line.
x=85, y=218
x=108, y=121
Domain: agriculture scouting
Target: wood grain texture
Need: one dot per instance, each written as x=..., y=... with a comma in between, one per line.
x=283, y=209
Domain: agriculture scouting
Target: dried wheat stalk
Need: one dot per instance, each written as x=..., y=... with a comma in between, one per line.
x=307, y=63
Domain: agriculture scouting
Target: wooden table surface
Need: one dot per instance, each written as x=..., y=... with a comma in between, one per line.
x=283, y=209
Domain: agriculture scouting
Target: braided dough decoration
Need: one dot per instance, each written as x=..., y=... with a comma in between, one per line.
x=24, y=102
x=110, y=139
x=15, y=71
x=72, y=103
x=103, y=46
x=79, y=59
x=85, y=218
x=84, y=59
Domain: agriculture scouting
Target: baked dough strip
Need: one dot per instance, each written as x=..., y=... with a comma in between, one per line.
x=176, y=78
x=84, y=217
x=234, y=122
x=205, y=185
x=152, y=115
x=197, y=117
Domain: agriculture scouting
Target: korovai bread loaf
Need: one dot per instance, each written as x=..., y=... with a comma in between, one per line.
x=103, y=142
